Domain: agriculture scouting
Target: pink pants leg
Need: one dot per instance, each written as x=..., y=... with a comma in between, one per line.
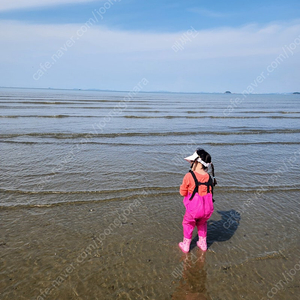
x=202, y=227
x=189, y=224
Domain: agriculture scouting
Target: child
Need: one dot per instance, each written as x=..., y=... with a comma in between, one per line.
x=197, y=187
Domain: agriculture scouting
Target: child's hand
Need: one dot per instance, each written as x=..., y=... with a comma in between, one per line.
x=215, y=181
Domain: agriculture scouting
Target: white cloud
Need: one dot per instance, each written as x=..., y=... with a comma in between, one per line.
x=20, y=4
x=222, y=42
x=102, y=58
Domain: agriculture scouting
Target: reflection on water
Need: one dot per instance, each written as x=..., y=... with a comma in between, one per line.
x=191, y=271
x=192, y=284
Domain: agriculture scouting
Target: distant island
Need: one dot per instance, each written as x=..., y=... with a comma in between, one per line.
x=296, y=93
x=227, y=92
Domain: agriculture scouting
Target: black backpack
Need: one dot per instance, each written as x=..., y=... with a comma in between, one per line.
x=208, y=184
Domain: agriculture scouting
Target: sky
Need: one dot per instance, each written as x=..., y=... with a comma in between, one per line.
x=179, y=46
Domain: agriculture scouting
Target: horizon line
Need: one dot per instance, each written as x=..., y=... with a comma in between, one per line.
x=158, y=91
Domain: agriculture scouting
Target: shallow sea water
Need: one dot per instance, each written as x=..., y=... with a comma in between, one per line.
x=90, y=207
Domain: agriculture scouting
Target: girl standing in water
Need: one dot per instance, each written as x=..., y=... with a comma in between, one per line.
x=197, y=187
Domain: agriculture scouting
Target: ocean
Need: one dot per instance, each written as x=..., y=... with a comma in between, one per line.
x=90, y=205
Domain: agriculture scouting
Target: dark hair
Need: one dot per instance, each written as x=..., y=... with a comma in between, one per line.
x=205, y=156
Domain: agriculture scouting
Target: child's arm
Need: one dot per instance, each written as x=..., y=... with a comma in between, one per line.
x=184, y=186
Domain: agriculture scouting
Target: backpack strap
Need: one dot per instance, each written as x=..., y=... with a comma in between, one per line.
x=196, y=185
x=208, y=184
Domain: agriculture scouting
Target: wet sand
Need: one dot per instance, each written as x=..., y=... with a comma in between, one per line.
x=128, y=250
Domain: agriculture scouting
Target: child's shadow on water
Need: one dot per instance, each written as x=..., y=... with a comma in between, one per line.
x=221, y=230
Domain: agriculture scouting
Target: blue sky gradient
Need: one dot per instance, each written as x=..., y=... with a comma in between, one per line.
x=167, y=15
x=233, y=42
